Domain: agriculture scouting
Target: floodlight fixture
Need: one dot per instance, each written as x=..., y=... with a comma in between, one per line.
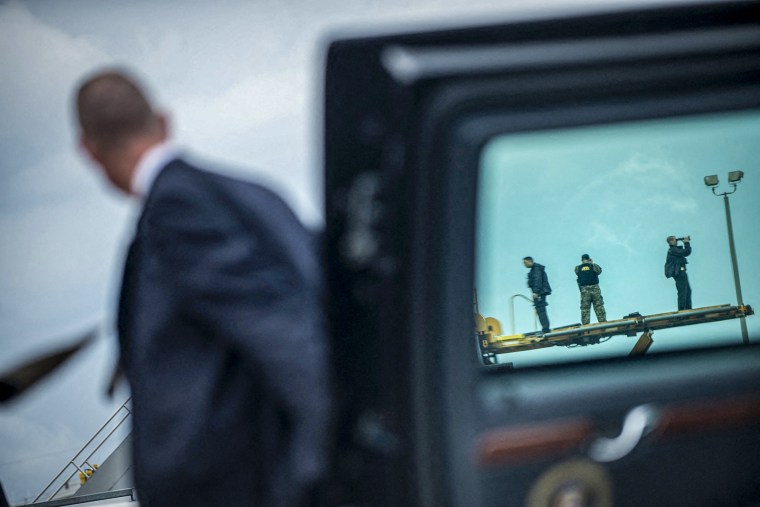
x=711, y=180
x=735, y=176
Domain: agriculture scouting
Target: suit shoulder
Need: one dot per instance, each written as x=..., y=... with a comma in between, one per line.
x=203, y=192
x=184, y=197
x=182, y=180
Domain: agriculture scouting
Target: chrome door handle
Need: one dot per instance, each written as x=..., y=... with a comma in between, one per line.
x=638, y=422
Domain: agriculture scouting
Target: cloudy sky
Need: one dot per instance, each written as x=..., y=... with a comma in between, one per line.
x=241, y=81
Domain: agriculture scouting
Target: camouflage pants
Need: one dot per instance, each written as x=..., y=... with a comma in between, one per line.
x=592, y=294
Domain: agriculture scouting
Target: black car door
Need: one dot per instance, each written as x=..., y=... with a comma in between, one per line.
x=452, y=154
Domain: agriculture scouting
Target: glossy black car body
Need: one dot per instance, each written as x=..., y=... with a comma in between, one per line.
x=406, y=117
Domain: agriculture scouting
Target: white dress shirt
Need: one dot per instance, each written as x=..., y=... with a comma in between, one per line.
x=150, y=165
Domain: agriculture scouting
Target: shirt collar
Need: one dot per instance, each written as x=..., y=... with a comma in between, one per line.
x=150, y=165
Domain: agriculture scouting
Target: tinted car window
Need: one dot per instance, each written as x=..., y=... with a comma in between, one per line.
x=615, y=192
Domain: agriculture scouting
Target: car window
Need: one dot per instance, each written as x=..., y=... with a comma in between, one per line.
x=616, y=192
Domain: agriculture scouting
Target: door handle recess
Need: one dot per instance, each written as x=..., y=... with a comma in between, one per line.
x=639, y=421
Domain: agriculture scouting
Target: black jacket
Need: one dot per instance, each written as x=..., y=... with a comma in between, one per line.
x=538, y=281
x=676, y=259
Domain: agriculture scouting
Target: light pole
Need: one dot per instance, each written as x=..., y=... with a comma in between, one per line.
x=734, y=177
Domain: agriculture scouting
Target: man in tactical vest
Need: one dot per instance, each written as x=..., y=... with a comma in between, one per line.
x=588, y=282
x=539, y=285
x=675, y=268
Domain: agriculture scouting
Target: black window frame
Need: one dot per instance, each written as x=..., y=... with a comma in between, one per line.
x=414, y=117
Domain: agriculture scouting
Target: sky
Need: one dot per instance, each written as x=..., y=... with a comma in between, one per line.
x=616, y=192
x=240, y=81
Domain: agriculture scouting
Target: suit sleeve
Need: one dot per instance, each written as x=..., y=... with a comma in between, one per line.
x=247, y=278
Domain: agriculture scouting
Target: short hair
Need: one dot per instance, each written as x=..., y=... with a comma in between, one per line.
x=529, y=258
x=111, y=107
x=669, y=238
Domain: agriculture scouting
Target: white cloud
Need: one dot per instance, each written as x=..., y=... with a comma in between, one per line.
x=31, y=449
x=260, y=125
x=52, y=51
x=602, y=233
x=245, y=104
x=28, y=438
x=647, y=165
x=44, y=63
x=60, y=231
x=61, y=268
x=59, y=261
x=659, y=180
x=642, y=182
x=677, y=203
x=158, y=50
x=53, y=176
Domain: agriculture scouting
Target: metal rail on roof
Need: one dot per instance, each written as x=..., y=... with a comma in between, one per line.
x=631, y=325
x=95, y=497
x=81, y=461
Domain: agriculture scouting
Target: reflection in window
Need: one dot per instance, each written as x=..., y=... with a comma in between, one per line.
x=616, y=192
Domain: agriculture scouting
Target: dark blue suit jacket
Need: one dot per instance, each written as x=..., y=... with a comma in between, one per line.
x=222, y=340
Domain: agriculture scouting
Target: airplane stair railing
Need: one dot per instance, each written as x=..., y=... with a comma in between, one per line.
x=84, y=462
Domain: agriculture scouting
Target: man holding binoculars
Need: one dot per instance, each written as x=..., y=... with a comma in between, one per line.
x=675, y=268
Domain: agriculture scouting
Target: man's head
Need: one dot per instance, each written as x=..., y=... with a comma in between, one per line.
x=528, y=262
x=671, y=240
x=585, y=258
x=118, y=124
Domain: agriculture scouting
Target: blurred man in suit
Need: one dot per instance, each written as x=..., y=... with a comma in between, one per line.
x=220, y=324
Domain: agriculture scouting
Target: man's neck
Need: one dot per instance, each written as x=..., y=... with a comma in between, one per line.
x=151, y=163
x=125, y=160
